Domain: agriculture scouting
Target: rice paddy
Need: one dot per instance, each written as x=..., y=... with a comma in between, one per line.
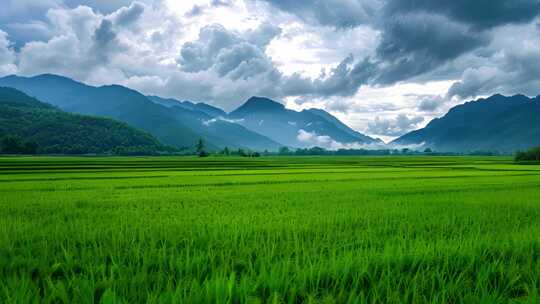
x=269, y=230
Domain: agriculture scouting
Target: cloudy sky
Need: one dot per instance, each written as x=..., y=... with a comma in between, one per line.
x=385, y=67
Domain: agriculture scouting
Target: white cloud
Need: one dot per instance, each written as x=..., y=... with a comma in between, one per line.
x=223, y=52
x=507, y=66
x=312, y=139
x=7, y=56
x=311, y=50
x=228, y=53
x=218, y=119
x=395, y=126
x=126, y=16
x=429, y=103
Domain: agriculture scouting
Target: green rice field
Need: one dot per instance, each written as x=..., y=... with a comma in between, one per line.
x=269, y=230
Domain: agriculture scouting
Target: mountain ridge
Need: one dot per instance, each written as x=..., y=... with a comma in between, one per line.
x=59, y=132
x=296, y=129
x=174, y=126
x=257, y=104
x=497, y=123
x=199, y=106
x=267, y=107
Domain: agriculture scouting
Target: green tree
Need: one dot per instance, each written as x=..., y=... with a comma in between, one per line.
x=12, y=144
x=529, y=155
x=200, y=148
x=226, y=151
x=30, y=147
x=200, y=145
x=284, y=151
x=535, y=153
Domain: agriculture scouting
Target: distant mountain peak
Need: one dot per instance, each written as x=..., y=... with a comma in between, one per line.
x=51, y=77
x=258, y=104
x=205, y=108
x=286, y=126
x=48, y=75
x=44, y=79
x=499, y=96
x=497, y=123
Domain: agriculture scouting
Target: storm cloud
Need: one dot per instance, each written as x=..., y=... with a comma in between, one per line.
x=418, y=37
x=339, y=13
x=346, y=56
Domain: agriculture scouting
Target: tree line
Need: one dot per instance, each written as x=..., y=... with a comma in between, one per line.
x=532, y=154
x=14, y=144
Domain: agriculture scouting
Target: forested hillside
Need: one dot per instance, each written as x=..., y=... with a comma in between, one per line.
x=30, y=126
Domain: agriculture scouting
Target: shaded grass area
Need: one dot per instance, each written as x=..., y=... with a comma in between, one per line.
x=269, y=230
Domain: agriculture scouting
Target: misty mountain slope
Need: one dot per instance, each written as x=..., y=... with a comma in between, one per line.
x=211, y=122
x=296, y=129
x=497, y=123
x=202, y=107
x=343, y=127
x=223, y=132
x=108, y=101
x=180, y=126
x=56, y=131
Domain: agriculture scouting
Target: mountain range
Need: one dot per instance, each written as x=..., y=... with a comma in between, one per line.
x=53, y=131
x=188, y=105
x=255, y=125
x=497, y=123
x=176, y=126
x=273, y=120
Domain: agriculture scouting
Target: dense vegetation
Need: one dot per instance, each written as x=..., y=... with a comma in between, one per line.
x=279, y=230
x=532, y=154
x=373, y=152
x=28, y=126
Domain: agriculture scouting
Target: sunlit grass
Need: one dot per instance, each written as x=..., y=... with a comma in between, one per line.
x=281, y=230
